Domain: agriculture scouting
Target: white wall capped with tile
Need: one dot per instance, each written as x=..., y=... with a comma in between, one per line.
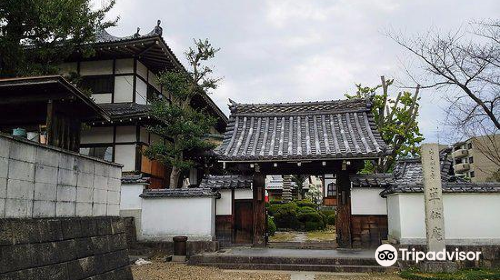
x=469, y=218
x=164, y=218
x=40, y=181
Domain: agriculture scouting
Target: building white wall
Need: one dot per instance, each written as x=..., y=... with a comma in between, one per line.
x=367, y=201
x=164, y=218
x=224, y=203
x=97, y=135
x=469, y=218
x=124, y=87
x=130, y=199
x=141, y=92
x=125, y=155
x=40, y=181
x=98, y=67
x=243, y=194
x=124, y=66
x=126, y=134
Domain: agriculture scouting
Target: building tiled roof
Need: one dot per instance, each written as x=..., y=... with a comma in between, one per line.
x=448, y=187
x=340, y=129
x=372, y=180
x=408, y=178
x=185, y=192
x=227, y=182
x=125, y=110
x=135, y=179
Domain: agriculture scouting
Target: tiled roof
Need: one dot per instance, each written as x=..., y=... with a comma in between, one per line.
x=125, y=110
x=448, y=187
x=227, y=182
x=302, y=131
x=372, y=180
x=135, y=179
x=187, y=192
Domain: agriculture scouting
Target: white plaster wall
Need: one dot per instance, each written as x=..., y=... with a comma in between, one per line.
x=125, y=134
x=67, y=67
x=164, y=218
x=469, y=218
x=153, y=81
x=393, y=220
x=243, y=194
x=142, y=70
x=102, y=98
x=98, y=67
x=124, y=66
x=97, y=135
x=130, y=199
x=125, y=155
x=40, y=181
x=224, y=203
x=144, y=135
x=367, y=201
x=141, y=92
x=124, y=87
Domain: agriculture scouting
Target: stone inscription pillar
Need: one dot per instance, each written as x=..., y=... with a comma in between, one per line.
x=434, y=217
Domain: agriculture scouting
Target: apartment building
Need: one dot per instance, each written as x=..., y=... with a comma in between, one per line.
x=473, y=158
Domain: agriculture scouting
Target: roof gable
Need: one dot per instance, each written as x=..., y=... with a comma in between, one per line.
x=342, y=129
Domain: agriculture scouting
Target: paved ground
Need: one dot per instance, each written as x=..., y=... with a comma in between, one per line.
x=303, y=253
x=168, y=271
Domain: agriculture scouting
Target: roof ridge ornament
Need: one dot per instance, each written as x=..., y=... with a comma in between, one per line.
x=137, y=35
x=158, y=29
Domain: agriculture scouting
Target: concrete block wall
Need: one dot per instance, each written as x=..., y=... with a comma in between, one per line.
x=42, y=181
x=64, y=249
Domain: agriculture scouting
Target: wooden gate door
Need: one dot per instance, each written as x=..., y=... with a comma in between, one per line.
x=243, y=221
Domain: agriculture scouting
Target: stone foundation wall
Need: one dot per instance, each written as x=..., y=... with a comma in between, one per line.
x=64, y=248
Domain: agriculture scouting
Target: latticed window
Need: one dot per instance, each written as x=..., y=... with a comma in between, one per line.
x=331, y=190
x=98, y=84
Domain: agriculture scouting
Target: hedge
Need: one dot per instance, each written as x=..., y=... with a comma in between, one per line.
x=300, y=215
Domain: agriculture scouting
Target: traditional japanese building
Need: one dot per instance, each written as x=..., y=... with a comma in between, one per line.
x=314, y=138
x=122, y=76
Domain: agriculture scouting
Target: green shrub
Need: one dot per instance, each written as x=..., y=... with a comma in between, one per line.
x=306, y=202
x=328, y=212
x=311, y=221
x=271, y=226
x=285, y=216
x=330, y=220
x=306, y=209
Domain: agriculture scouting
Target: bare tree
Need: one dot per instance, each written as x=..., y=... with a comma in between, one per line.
x=468, y=63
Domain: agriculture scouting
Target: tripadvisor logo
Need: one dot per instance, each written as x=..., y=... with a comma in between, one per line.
x=387, y=255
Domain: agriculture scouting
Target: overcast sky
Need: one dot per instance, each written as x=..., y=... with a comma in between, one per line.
x=304, y=50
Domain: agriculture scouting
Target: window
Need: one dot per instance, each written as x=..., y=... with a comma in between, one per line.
x=472, y=174
x=471, y=160
x=103, y=152
x=469, y=146
x=331, y=190
x=98, y=84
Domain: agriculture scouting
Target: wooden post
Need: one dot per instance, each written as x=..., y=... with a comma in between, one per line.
x=259, y=210
x=343, y=218
x=49, y=123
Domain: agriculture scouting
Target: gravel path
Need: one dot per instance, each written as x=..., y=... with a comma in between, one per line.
x=170, y=271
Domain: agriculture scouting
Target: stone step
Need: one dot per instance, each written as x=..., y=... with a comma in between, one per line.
x=302, y=267
x=303, y=245
x=232, y=259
